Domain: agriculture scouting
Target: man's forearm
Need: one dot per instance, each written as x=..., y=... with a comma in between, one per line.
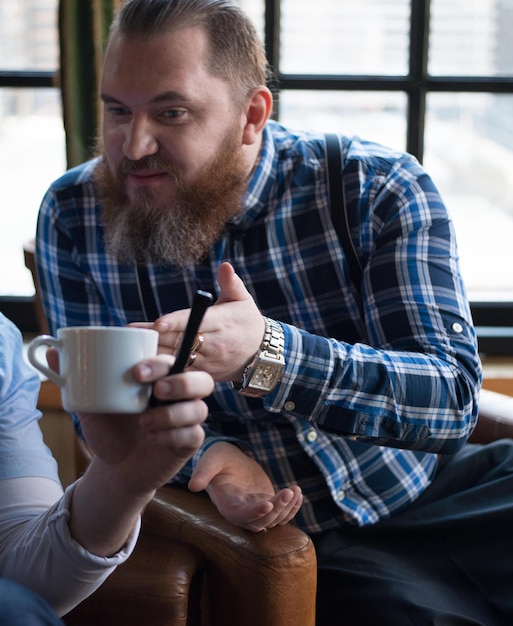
x=37, y=549
x=103, y=512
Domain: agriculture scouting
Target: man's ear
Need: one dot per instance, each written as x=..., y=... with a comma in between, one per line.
x=258, y=110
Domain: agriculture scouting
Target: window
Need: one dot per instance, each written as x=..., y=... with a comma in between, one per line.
x=32, y=145
x=434, y=77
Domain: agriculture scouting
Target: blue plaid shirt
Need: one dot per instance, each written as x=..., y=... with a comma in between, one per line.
x=380, y=377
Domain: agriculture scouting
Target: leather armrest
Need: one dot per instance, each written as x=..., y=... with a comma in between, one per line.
x=251, y=578
x=495, y=419
x=160, y=584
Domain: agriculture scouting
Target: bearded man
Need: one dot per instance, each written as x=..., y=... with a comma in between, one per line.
x=343, y=403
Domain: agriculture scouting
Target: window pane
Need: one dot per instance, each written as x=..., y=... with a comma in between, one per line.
x=28, y=36
x=255, y=9
x=376, y=116
x=471, y=37
x=469, y=152
x=32, y=154
x=32, y=145
x=345, y=37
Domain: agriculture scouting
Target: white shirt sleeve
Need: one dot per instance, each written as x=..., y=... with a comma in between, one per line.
x=36, y=547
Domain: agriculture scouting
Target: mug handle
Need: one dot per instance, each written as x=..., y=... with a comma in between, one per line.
x=52, y=342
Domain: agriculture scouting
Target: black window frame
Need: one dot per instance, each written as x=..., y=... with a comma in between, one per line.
x=21, y=309
x=494, y=320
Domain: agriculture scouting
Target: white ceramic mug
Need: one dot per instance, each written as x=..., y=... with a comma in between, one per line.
x=95, y=365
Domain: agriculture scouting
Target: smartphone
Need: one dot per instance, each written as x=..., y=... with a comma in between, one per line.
x=201, y=301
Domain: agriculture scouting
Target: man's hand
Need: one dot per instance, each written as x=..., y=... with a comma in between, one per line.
x=136, y=454
x=233, y=329
x=242, y=491
x=148, y=449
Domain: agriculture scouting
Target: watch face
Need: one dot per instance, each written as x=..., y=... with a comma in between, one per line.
x=265, y=375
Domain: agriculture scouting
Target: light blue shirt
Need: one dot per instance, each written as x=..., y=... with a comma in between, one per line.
x=36, y=546
x=22, y=451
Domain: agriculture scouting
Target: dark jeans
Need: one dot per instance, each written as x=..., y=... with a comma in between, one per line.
x=20, y=606
x=446, y=561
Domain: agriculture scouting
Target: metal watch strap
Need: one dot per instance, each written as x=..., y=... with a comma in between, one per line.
x=273, y=343
x=271, y=349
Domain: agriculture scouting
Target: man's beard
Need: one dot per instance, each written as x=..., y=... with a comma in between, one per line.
x=181, y=230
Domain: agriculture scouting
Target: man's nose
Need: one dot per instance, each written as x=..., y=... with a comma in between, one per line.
x=140, y=140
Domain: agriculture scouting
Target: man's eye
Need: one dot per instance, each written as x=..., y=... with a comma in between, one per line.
x=117, y=110
x=173, y=113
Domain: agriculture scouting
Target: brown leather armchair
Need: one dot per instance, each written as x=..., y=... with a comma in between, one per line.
x=193, y=568
x=495, y=417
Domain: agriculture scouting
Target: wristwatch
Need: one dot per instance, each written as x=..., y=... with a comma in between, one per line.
x=264, y=372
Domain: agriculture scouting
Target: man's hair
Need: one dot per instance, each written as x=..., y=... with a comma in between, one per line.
x=236, y=52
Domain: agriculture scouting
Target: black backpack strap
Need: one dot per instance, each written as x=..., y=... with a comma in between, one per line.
x=338, y=206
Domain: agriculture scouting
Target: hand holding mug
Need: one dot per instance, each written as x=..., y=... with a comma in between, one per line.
x=149, y=448
x=95, y=367
x=134, y=454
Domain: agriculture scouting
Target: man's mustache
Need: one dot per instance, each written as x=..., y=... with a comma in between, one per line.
x=152, y=163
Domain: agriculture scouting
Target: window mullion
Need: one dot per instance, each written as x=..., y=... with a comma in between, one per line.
x=19, y=78
x=418, y=64
x=272, y=26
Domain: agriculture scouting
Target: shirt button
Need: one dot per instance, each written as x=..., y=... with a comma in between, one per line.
x=341, y=494
x=312, y=436
x=457, y=327
x=289, y=405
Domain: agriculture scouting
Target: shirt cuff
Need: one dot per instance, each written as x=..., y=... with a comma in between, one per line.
x=81, y=556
